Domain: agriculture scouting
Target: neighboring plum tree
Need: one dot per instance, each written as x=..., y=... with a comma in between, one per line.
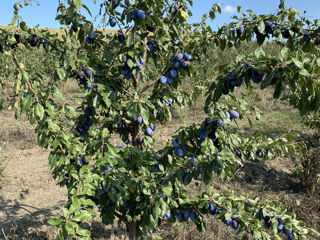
x=129, y=84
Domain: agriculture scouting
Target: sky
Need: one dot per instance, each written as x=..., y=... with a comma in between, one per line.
x=45, y=13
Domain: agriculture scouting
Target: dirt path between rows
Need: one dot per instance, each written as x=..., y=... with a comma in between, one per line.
x=28, y=194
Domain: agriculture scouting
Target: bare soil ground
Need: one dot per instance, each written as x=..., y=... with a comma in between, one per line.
x=29, y=196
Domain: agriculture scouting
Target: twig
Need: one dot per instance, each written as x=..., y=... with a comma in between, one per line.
x=4, y=234
x=154, y=81
x=28, y=82
x=118, y=215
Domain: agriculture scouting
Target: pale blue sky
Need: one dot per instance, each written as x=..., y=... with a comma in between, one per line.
x=46, y=12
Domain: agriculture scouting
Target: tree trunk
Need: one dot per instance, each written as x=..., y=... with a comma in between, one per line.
x=133, y=230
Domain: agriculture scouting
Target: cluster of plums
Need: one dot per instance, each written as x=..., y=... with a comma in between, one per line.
x=137, y=14
x=85, y=75
x=270, y=27
x=256, y=77
x=181, y=60
x=84, y=128
x=126, y=71
x=183, y=214
x=229, y=222
x=34, y=41
x=280, y=227
x=207, y=130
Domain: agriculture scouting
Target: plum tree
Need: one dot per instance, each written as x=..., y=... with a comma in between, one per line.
x=133, y=82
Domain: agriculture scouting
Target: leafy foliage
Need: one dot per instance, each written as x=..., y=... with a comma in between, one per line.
x=131, y=81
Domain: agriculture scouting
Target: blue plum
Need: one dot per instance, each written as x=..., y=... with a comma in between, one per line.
x=133, y=13
x=163, y=79
x=141, y=14
x=149, y=132
x=187, y=56
x=152, y=126
x=234, y=224
x=112, y=22
x=179, y=152
x=234, y=114
x=179, y=57
x=193, y=216
x=139, y=120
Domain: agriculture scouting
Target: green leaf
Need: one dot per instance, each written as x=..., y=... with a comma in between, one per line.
x=285, y=53
x=304, y=72
x=261, y=26
x=54, y=221
x=83, y=232
x=70, y=227
x=77, y=3
x=61, y=73
x=39, y=111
